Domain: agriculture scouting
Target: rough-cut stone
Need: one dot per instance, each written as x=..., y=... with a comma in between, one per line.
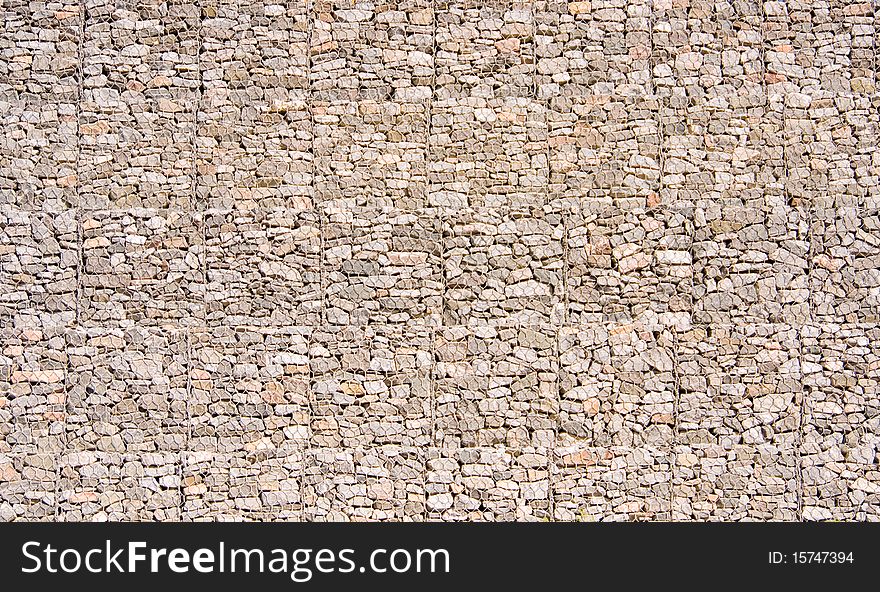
x=845, y=265
x=714, y=482
x=254, y=122
x=598, y=484
x=685, y=64
x=439, y=260
x=382, y=267
x=126, y=390
x=28, y=487
x=826, y=46
x=139, y=89
x=496, y=387
x=263, y=485
x=721, y=126
x=598, y=47
x=488, y=151
x=380, y=483
x=370, y=387
x=113, y=486
x=830, y=141
x=740, y=385
x=39, y=262
x=492, y=484
x=249, y=389
x=33, y=366
x=370, y=153
x=503, y=267
x=604, y=148
x=40, y=90
x=142, y=266
x=841, y=439
x=751, y=265
x=263, y=267
x=616, y=386
x=372, y=50
x=484, y=49
x=629, y=265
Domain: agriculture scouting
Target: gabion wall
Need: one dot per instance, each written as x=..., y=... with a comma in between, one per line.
x=439, y=260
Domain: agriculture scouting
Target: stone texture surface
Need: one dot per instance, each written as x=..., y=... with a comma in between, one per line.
x=738, y=483
x=372, y=49
x=370, y=387
x=140, y=79
x=255, y=131
x=829, y=144
x=740, y=385
x=617, y=386
x=385, y=482
x=142, y=267
x=382, y=266
x=593, y=48
x=624, y=264
x=593, y=484
x=262, y=485
x=248, y=389
x=115, y=486
x=40, y=258
x=440, y=260
x=484, y=48
x=28, y=487
x=845, y=265
x=496, y=387
x=604, y=149
x=126, y=390
x=262, y=267
x=751, y=265
x=40, y=89
x=503, y=267
x=841, y=439
x=488, y=151
x=371, y=153
x=488, y=484
x=33, y=398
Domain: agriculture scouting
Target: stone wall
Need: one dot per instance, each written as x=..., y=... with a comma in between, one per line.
x=439, y=260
